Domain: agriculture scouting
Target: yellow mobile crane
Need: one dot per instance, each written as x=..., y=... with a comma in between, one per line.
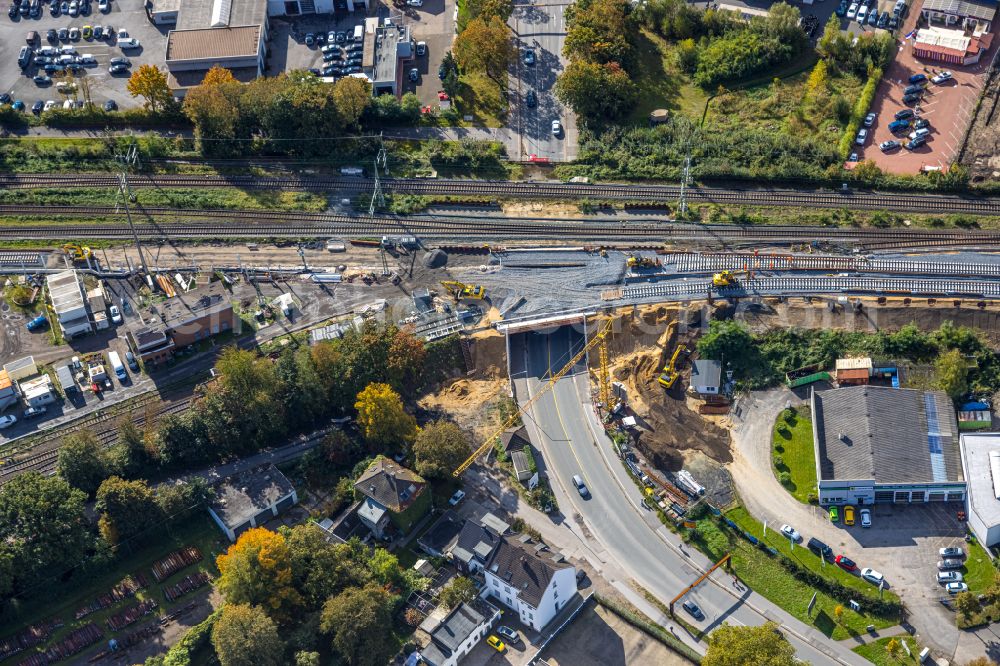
x=600, y=338
x=460, y=290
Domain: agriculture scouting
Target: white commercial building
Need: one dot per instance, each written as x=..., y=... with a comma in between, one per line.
x=981, y=463
x=459, y=632
x=69, y=304
x=37, y=391
x=529, y=579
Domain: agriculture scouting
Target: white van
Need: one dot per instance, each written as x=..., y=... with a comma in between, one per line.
x=359, y=33
x=117, y=365
x=922, y=132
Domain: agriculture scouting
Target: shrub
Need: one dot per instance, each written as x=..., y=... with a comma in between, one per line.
x=860, y=111
x=779, y=462
x=785, y=478
x=812, y=498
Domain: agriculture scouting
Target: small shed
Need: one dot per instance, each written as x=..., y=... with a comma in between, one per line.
x=8, y=395
x=521, y=468
x=21, y=368
x=65, y=377
x=659, y=116
x=706, y=377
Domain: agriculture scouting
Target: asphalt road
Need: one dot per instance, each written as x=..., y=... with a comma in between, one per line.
x=562, y=423
x=541, y=27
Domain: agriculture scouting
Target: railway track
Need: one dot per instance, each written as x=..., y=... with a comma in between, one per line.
x=908, y=202
x=739, y=261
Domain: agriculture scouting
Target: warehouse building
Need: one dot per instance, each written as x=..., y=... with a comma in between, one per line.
x=981, y=465
x=251, y=499
x=69, y=304
x=876, y=444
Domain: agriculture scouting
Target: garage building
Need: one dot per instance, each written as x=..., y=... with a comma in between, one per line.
x=876, y=444
x=981, y=464
x=251, y=499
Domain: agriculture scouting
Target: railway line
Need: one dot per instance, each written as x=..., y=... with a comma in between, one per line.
x=175, y=223
x=684, y=289
x=766, y=262
x=902, y=202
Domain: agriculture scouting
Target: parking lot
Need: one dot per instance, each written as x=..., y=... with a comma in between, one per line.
x=94, y=79
x=949, y=108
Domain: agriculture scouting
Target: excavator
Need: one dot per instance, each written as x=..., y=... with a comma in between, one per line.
x=77, y=252
x=460, y=290
x=724, y=279
x=641, y=262
x=672, y=373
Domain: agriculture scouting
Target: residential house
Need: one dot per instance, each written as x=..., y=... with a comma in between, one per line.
x=706, y=377
x=476, y=543
x=527, y=578
x=392, y=494
x=514, y=439
x=250, y=499
x=459, y=632
x=8, y=395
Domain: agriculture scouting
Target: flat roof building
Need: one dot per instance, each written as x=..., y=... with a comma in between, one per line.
x=981, y=465
x=392, y=45
x=881, y=444
x=69, y=303
x=250, y=499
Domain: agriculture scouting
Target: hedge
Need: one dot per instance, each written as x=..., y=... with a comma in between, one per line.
x=859, y=112
x=654, y=630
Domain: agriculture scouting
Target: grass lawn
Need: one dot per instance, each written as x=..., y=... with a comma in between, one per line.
x=480, y=97
x=199, y=531
x=767, y=577
x=793, y=443
x=978, y=572
x=661, y=83
x=875, y=652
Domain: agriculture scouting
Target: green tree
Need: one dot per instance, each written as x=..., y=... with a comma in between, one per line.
x=215, y=111
x=257, y=570
x=439, y=449
x=731, y=342
x=384, y=567
x=818, y=78
x=596, y=92
x=304, y=658
x=951, y=373
x=740, y=645
x=43, y=530
x=485, y=46
x=459, y=590
x=360, y=623
x=245, y=636
x=382, y=417
x=353, y=95
x=129, y=457
x=599, y=31
x=320, y=569
x=82, y=461
x=687, y=55
x=127, y=509
x=967, y=604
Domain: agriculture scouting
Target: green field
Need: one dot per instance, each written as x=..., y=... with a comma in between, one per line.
x=792, y=452
x=661, y=83
x=766, y=576
x=875, y=652
x=978, y=572
x=199, y=531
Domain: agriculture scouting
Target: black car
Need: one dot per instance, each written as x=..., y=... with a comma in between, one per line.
x=442, y=72
x=913, y=144
x=110, y=105
x=332, y=71
x=53, y=68
x=893, y=22
x=883, y=21
x=12, y=11
x=693, y=610
x=922, y=123
x=912, y=98
x=531, y=99
x=63, y=34
x=904, y=114
x=52, y=36
x=5, y=98
x=37, y=107
x=314, y=71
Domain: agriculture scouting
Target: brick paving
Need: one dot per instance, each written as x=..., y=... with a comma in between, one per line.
x=949, y=107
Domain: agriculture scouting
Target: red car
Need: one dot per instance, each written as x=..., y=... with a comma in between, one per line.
x=845, y=563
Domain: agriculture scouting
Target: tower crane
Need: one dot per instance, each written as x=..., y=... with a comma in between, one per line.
x=600, y=338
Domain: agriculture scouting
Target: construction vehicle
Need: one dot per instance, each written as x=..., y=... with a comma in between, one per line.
x=77, y=252
x=672, y=373
x=460, y=290
x=724, y=279
x=641, y=262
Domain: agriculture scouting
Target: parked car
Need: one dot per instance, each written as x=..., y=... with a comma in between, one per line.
x=862, y=14
x=63, y=34
x=556, y=128
x=510, y=634
x=841, y=10
x=791, y=533
x=421, y=49
x=495, y=643
x=31, y=37
x=941, y=78
x=130, y=43
x=7, y=421
x=920, y=133
x=899, y=125
x=414, y=75
x=88, y=32
x=37, y=323
x=693, y=610
x=74, y=34
x=581, y=487
x=33, y=412
x=37, y=107
x=457, y=497
x=848, y=515
x=949, y=577
x=872, y=576
x=913, y=144
x=104, y=6
x=531, y=99
x=952, y=551
x=852, y=11
x=845, y=563
x=310, y=39
x=870, y=119
x=918, y=78
x=529, y=57
x=873, y=17
x=955, y=588
x=820, y=548
x=922, y=123
x=886, y=146
x=120, y=60
x=132, y=363
x=116, y=315
x=834, y=513
x=904, y=113
x=883, y=21
x=912, y=98
x=41, y=79
x=950, y=563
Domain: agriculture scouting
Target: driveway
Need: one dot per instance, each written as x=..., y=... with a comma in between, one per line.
x=902, y=544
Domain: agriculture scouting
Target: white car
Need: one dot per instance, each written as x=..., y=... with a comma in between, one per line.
x=104, y=6
x=791, y=533
x=872, y=576
x=955, y=588
x=862, y=14
x=941, y=78
x=123, y=33
x=457, y=497
x=556, y=128
x=51, y=104
x=130, y=43
x=852, y=11
x=415, y=3
x=866, y=517
x=421, y=48
x=949, y=577
x=116, y=315
x=861, y=137
x=7, y=421
x=870, y=119
x=952, y=551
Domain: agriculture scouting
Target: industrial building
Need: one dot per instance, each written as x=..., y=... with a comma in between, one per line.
x=251, y=499
x=69, y=304
x=981, y=464
x=878, y=444
x=381, y=57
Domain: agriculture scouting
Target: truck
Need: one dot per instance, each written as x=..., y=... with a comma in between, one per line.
x=117, y=366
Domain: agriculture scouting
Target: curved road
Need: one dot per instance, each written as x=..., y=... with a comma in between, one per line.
x=563, y=425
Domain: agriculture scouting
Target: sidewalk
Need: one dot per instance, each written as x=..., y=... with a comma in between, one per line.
x=865, y=639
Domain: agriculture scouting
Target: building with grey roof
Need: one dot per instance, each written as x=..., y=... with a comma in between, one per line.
x=706, y=377
x=981, y=466
x=392, y=44
x=250, y=499
x=459, y=632
x=975, y=15
x=69, y=303
x=392, y=494
x=528, y=578
x=881, y=444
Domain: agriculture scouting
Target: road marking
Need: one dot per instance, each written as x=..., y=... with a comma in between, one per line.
x=555, y=403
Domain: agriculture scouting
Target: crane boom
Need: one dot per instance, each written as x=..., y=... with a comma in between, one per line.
x=485, y=446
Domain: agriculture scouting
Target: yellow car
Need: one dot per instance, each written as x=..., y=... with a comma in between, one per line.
x=848, y=515
x=496, y=643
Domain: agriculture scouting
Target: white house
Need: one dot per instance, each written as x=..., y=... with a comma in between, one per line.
x=706, y=377
x=37, y=391
x=529, y=579
x=68, y=302
x=459, y=632
x=250, y=499
x=981, y=465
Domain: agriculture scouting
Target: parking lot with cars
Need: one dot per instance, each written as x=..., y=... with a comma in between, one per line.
x=922, y=110
x=73, y=50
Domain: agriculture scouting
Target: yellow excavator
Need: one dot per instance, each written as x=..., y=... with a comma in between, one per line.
x=77, y=252
x=725, y=279
x=460, y=290
x=672, y=373
x=641, y=262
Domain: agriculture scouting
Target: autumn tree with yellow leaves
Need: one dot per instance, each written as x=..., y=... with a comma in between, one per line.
x=257, y=570
x=150, y=83
x=382, y=417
